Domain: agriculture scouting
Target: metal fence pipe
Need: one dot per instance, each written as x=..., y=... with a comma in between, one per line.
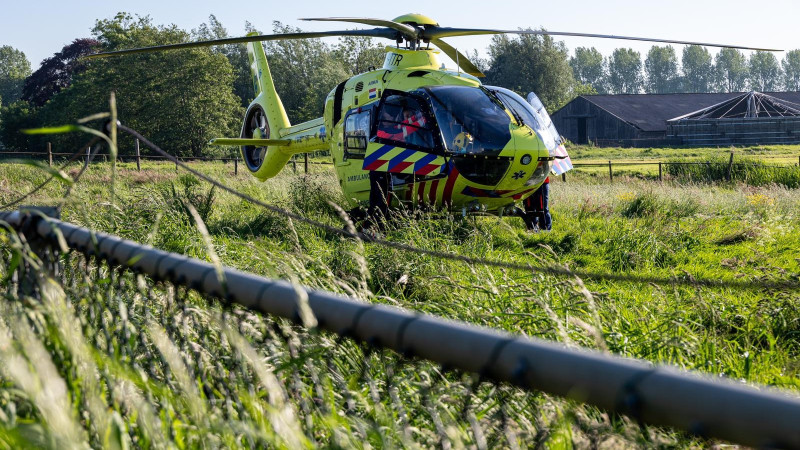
x=702, y=405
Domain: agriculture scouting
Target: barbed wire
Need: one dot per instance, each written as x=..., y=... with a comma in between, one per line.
x=549, y=269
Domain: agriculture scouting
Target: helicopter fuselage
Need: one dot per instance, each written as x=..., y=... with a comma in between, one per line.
x=447, y=140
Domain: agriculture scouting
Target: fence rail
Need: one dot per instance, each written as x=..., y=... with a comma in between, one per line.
x=657, y=395
x=138, y=158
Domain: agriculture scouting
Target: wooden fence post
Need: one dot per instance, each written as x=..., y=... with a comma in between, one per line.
x=138, y=157
x=236, y=165
x=294, y=165
x=729, y=173
x=610, y=172
x=660, y=175
x=50, y=154
x=88, y=152
x=176, y=164
x=305, y=162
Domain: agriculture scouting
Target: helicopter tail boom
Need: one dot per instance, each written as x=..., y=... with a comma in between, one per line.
x=300, y=141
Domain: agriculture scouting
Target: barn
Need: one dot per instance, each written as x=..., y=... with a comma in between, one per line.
x=653, y=120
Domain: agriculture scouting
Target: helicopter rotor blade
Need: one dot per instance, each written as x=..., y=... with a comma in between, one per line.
x=440, y=32
x=458, y=57
x=376, y=32
x=407, y=30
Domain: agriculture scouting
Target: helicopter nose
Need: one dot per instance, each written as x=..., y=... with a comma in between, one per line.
x=526, y=165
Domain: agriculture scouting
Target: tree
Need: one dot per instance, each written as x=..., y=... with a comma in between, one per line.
x=625, y=71
x=698, y=69
x=765, y=73
x=730, y=70
x=359, y=53
x=533, y=63
x=304, y=71
x=236, y=54
x=15, y=117
x=57, y=71
x=14, y=67
x=179, y=99
x=661, y=70
x=791, y=70
x=589, y=68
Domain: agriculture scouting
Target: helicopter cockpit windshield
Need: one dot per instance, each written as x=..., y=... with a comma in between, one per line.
x=471, y=121
x=532, y=113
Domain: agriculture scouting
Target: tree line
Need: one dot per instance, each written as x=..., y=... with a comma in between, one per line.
x=624, y=72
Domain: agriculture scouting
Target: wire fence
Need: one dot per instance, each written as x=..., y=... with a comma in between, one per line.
x=54, y=157
x=403, y=376
x=674, y=167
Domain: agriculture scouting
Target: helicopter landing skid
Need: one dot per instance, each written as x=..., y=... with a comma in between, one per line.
x=528, y=218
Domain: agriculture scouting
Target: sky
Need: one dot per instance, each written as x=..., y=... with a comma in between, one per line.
x=42, y=31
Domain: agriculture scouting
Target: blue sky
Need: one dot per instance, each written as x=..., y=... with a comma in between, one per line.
x=45, y=29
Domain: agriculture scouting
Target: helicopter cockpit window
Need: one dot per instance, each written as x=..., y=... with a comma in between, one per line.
x=532, y=114
x=471, y=121
x=404, y=121
x=356, y=133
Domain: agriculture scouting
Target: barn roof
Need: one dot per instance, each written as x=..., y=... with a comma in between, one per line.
x=746, y=106
x=650, y=112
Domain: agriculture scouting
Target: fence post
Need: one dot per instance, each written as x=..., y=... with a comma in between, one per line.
x=50, y=154
x=294, y=165
x=610, y=172
x=564, y=177
x=88, y=152
x=236, y=165
x=138, y=157
x=729, y=174
x=305, y=162
x=660, y=174
x=176, y=164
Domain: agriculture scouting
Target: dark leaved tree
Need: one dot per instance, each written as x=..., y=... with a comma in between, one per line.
x=57, y=72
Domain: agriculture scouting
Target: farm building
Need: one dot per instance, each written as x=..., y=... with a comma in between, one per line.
x=652, y=120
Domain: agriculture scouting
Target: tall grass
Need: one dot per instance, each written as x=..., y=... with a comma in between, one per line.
x=173, y=368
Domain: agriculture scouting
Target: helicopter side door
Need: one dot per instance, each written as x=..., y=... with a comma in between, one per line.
x=405, y=138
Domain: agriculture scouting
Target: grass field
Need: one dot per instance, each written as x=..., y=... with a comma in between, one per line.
x=721, y=231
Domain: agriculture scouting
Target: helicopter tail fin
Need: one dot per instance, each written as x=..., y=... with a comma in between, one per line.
x=265, y=93
x=265, y=119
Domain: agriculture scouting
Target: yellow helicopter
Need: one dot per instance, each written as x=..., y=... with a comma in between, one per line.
x=426, y=134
